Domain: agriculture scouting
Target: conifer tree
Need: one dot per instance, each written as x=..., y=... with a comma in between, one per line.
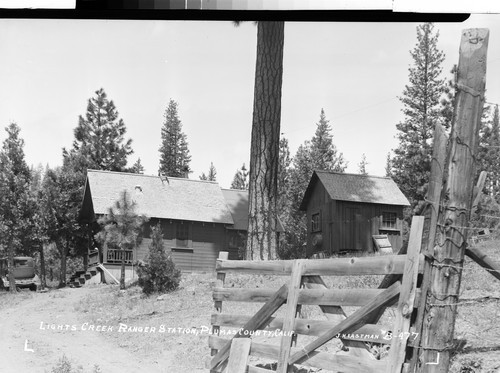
x=319, y=153
x=17, y=203
x=240, y=180
x=99, y=144
x=56, y=218
x=421, y=108
x=324, y=153
x=489, y=152
x=448, y=99
x=212, y=174
x=158, y=272
x=137, y=167
x=388, y=165
x=121, y=229
x=283, y=178
x=174, y=152
x=100, y=136
x=262, y=237
x=362, y=165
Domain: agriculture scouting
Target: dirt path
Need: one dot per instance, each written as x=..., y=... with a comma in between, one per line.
x=30, y=343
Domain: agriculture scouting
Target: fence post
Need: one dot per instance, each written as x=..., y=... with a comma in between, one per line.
x=221, y=277
x=401, y=329
x=451, y=235
x=431, y=212
x=290, y=315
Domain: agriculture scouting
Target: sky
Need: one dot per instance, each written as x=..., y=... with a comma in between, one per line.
x=354, y=71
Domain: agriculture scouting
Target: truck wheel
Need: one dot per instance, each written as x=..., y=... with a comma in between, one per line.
x=33, y=287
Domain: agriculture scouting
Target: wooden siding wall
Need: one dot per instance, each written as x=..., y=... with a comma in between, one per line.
x=366, y=219
x=201, y=250
x=319, y=203
x=349, y=226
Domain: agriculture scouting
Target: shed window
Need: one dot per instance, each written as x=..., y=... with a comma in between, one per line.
x=389, y=220
x=315, y=223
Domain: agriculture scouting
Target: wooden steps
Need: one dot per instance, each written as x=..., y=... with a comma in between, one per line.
x=81, y=277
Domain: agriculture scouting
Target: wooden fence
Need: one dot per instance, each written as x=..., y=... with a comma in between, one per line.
x=304, y=286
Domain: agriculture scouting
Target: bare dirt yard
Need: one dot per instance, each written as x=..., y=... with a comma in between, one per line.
x=37, y=329
x=100, y=329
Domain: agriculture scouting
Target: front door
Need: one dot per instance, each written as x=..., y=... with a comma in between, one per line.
x=352, y=229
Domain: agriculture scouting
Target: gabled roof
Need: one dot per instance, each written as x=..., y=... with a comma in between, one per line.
x=175, y=198
x=356, y=188
x=237, y=202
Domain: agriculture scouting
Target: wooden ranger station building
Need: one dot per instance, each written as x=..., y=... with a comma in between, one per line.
x=344, y=212
x=198, y=218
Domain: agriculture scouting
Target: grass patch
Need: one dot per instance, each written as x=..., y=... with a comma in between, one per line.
x=8, y=299
x=65, y=365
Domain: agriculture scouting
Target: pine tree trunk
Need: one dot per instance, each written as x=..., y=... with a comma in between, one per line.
x=43, y=276
x=10, y=266
x=62, y=274
x=262, y=239
x=122, y=272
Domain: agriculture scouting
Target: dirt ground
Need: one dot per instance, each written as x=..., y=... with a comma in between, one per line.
x=31, y=345
x=37, y=329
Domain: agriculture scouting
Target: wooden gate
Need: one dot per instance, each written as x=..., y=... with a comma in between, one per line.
x=306, y=287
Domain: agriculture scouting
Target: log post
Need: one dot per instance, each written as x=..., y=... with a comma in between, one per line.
x=451, y=235
x=221, y=277
x=431, y=212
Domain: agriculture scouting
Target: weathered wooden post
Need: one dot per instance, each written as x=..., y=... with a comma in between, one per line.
x=436, y=342
x=221, y=277
x=430, y=213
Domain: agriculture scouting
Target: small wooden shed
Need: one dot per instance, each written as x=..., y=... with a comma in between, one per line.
x=344, y=212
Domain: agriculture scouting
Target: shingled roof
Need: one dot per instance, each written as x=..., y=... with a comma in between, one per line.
x=175, y=198
x=237, y=202
x=356, y=188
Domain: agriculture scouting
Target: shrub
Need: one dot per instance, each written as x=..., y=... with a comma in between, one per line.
x=64, y=366
x=158, y=272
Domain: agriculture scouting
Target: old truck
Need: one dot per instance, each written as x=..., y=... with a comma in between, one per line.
x=23, y=272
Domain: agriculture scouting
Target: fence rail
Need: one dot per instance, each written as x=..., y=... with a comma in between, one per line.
x=115, y=256
x=374, y=265
x=305, y=287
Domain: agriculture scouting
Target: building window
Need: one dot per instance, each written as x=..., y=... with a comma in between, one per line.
x=389, y=220
x=315, y=223
x=182, y=234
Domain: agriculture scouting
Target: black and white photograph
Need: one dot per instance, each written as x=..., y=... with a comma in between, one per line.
x=215, y=195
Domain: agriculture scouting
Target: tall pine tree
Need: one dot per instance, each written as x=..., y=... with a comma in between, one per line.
x=262, y=237
x=17, y=202
x=99, y=144
x=100, y=136
x=319, y=153
x=421, y=107
x=324, y=153
x=174, y=152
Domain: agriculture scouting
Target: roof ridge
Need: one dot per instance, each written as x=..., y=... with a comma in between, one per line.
x=155, y=176
x=352, y=174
